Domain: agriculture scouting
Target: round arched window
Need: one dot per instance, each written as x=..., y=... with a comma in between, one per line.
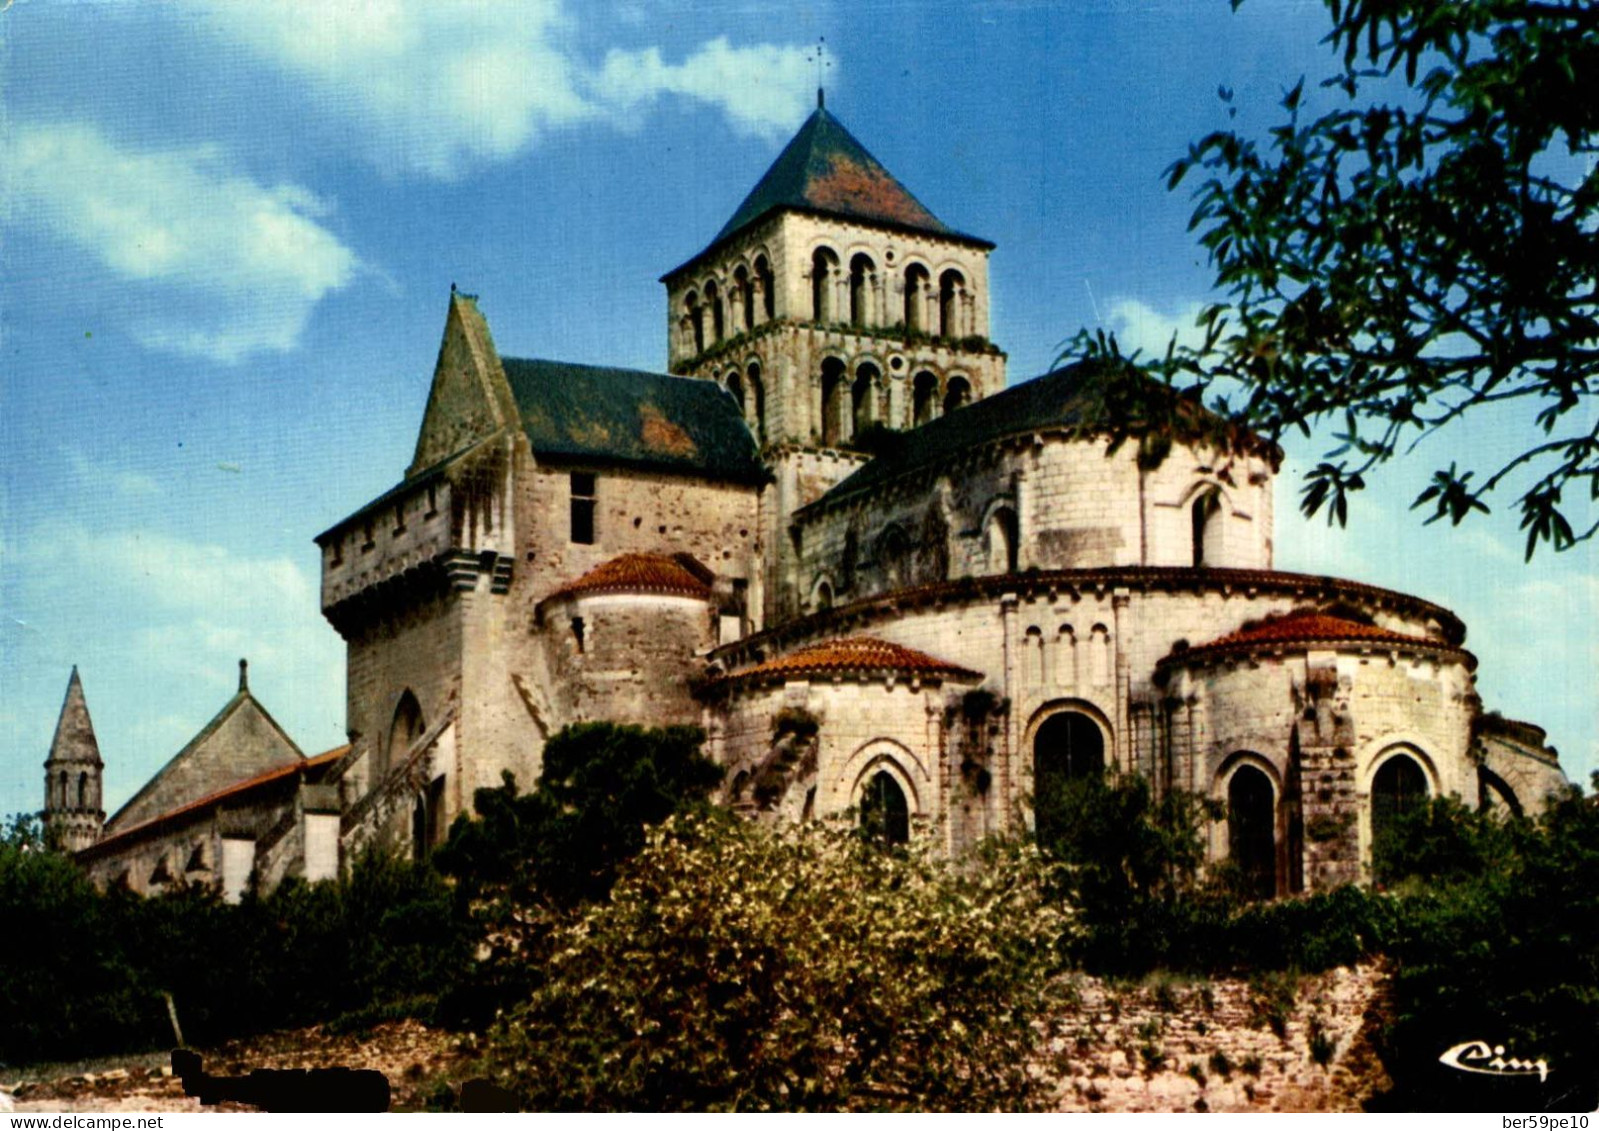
x=1251, y=830
x=1068, y=747
x=1399, y=788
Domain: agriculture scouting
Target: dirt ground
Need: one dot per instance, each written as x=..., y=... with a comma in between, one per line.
x=424, y=1068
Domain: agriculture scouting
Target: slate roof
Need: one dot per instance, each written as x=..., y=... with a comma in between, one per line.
x=652, y=420
x=234, y=792
x=826, y=172
x=1309, y=628
x=853, y=654
x=639, y=573
x=1076, y=397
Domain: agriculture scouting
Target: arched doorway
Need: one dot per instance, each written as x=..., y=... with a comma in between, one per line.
x=1251, y=830
x=1068, y=747
x=885, y=814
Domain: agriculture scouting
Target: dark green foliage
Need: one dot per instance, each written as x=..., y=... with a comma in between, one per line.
x=1133, y=862
x=87, y=973
x=1442, y=841
x=602, y=786
x=1508, y=953
x=530, y=858
x=65, y=981
x=1416, y=241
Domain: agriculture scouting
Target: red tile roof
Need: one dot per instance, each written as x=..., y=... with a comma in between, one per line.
x=853, y=654
x=639, y=573
x=277, y=773
x=1309, y=628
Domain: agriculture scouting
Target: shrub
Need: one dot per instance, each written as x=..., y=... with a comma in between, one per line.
x=91, y=971
x=602, y=785
x=1134, y=863
x=1509, y=952
x=740, y=968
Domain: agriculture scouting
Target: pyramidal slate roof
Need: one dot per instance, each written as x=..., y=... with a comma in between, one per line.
x=824, y=170
x=652, y=420
x=74, y=739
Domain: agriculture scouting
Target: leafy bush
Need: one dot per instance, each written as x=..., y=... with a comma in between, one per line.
x=1134, y=864
x=89, y=972
x=740, y=968
x=1507, y=954
x=602, y=786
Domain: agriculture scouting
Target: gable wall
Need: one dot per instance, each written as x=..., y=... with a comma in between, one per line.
x=245, y=744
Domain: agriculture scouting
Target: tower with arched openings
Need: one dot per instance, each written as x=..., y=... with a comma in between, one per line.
x=73, y=813
x=834, y=307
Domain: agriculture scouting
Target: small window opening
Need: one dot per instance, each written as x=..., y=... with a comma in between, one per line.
x=1201, y=516
x=583, y=500
x=916, y=282
x=951, y=287
x=577, y=632
x=835, y=402
x=924, y=398
x=957, y=395
x=763, y=272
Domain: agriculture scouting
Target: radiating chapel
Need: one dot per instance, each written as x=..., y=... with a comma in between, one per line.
x=885, y=580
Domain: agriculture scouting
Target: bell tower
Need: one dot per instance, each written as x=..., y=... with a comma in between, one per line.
x=72, y=775
x=834, y=307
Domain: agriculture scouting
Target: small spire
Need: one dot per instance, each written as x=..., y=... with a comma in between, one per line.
x=244, y=675
x=821, y=67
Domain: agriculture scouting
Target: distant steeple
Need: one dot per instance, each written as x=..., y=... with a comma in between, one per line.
x=72, y=774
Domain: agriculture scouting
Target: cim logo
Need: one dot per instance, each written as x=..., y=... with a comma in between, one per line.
x=1485, y=1060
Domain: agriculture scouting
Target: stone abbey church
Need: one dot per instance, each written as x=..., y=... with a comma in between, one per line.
x=881, y=577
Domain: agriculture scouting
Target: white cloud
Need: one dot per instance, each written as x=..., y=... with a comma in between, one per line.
x=1139, y=326
x=240, y=264
x=97, y=475
x=439, y=87
x=761, y=89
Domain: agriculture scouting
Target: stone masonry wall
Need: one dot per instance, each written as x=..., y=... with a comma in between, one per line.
x=864, y=725
x=634, y=662
x=1075, y=508
x=637, y=511
x=1280, y=1044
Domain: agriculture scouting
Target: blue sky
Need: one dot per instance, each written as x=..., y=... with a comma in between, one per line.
x=230, y=232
